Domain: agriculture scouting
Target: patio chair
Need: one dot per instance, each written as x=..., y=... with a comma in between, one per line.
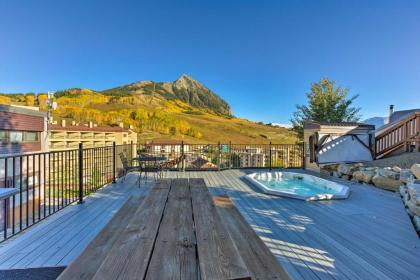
x=168, y=165
x=127, y=168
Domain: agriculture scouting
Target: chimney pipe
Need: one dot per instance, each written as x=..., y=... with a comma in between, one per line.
x=121, y=125
x=63, y=123
x=73, y=122
x=391, y=109
x=90, y=124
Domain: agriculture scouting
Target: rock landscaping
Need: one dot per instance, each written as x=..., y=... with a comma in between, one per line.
x=404, y=181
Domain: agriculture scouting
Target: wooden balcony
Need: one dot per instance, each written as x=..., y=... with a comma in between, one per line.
x=404, y=136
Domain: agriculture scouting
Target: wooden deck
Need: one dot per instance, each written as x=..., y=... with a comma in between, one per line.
x=368, y=236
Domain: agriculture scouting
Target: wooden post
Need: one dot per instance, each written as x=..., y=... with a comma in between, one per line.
x=80, y=173
x=270, y=156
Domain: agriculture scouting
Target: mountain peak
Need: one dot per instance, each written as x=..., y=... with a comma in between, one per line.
x=185, y=77
x=185, y=89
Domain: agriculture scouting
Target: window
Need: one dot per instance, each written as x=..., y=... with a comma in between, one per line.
x=16, y=136
x=7, y=136
x=125, y=135
x=31, y=136
x=3, y=136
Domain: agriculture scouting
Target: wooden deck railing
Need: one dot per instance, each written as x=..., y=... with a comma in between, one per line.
x=405, y=136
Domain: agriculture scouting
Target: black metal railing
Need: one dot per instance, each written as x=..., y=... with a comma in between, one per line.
x=227, y=155
x=47, y=182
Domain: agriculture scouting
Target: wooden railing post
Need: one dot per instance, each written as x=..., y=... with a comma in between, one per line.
x=303, y=156
x=80, y=172
x=270, y=156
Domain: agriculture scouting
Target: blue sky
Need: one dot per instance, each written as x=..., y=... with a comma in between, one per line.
x=260, y=56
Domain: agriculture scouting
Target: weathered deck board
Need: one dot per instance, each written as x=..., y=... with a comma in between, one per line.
x=259, y=261
x=129, y=257
x=174, y=254
x=86, y=265
x=218, y=256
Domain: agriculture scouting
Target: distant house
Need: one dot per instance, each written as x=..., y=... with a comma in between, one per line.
x=328, y=143
x=167, y=147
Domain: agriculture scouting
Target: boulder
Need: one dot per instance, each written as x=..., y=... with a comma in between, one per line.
x=413, y=207
x=403, y=190
x=414, y=191
x=346, y=169
x=396, y=169
x=415, y=168
x=406, y=198
x=411, y=214
x=386, y=183
x=336, y=174
x=363, y=176
x=372, y=168
x=345, y=177
x=416, y=222
x=406, y=176
x=330, y=167
x=387, y=172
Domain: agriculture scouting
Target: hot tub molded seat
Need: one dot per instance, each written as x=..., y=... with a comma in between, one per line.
x=342, y=191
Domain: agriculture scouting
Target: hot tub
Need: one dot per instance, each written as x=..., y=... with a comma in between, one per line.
x=298, y=185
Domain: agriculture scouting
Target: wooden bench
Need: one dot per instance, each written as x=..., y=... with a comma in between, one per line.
x=86, y=265
x=258, y=259
x=177, y=232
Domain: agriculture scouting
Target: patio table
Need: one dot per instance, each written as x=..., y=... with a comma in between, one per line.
x=149, y=161
x=178, y=231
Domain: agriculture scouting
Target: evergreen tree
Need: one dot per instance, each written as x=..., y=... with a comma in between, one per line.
x=326, y=102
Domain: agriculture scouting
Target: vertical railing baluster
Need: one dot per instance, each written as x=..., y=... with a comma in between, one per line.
x=81, y=173
x=33, y=189
x=20, y=192
x=14, y=196
x=39, y=187
x=5, y=201
x=27, y=191
x=45, y=183
x=113, y=163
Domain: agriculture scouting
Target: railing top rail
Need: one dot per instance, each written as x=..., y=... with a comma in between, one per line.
x=398, y=125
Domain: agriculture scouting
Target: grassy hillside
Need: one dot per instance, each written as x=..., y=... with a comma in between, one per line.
x=184, y=109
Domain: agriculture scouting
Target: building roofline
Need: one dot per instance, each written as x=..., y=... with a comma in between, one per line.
x=84, y=128
x=312, y=124
x=21, y=110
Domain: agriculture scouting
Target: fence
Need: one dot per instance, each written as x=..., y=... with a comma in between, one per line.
x=226, y=156
x=48, y=182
